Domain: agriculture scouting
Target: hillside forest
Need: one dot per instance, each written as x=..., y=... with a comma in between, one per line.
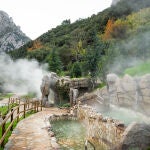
x=110, y=41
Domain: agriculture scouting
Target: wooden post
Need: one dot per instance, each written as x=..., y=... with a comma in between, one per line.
x=85, y=145
x=34, y=106
x=8, y=104
x=41, y=105
x=24, y=110
x=37, y=105
x=31, y=105
x=11, y=119
x=3, y=131
x=28, y=103
x=18, y=114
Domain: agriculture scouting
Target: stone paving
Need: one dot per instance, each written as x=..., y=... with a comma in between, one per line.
x=32, y=132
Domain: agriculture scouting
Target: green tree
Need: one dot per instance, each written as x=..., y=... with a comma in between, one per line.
x=76, y=70
x=38, y=54
x=54, y=62
x=94, y=57
x=66, y=22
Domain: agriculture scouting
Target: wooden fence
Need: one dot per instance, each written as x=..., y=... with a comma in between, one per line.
x=15, y=114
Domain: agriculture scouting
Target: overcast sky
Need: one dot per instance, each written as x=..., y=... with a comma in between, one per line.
x=36, y=17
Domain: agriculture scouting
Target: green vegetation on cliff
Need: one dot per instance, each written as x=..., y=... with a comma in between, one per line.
x=93, y=46
x=141, y=69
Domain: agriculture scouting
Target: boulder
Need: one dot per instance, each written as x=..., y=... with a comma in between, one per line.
x=48, y=88
x=136, y=136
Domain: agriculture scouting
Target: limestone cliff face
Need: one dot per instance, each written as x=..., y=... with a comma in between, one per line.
x=11, y=37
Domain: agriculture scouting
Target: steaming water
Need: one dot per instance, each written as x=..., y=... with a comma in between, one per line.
x=71, y=135
x=125, y=115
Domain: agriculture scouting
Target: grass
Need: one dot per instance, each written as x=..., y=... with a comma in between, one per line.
x=139, y=70
x=4, y=109
x=65, y=105
x=101, y=85
x=14, y=125
x=5, y=95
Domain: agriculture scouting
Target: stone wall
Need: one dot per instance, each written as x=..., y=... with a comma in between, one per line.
x=107, y=131
x=62, y=117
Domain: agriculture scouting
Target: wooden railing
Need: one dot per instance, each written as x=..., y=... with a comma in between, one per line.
x=15, y=114
x=86, y=145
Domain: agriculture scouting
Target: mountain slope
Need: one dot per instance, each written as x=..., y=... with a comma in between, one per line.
x=73, y=41
x=11, y=37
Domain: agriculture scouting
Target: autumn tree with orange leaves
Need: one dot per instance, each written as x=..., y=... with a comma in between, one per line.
x=117, y=30
x=36, y=45
x=108, y=30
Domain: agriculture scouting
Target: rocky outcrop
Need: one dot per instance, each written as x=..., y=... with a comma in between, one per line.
x=80, y=83
x=133, y=92
x=48, y=88
x=55, y=89
x=136, y=136
x=73, y=95
x=121, y=91
x=73, y=87
x=87, y=97
x=75, y=83
x=11, y=37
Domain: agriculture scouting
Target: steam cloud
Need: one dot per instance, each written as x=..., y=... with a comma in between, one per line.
x=21, y=76
x=139, y=48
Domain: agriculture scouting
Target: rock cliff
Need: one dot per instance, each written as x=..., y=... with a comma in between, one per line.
x=11, y=37
x=130, y=92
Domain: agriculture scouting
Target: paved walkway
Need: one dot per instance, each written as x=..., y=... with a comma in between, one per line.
x=32, y=134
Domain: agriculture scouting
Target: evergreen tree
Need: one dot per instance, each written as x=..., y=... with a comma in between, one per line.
x=76, y=70
x=93, y=58
x=54, y=62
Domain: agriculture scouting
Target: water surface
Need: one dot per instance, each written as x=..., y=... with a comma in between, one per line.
x=125, y=115
x=71, y=135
